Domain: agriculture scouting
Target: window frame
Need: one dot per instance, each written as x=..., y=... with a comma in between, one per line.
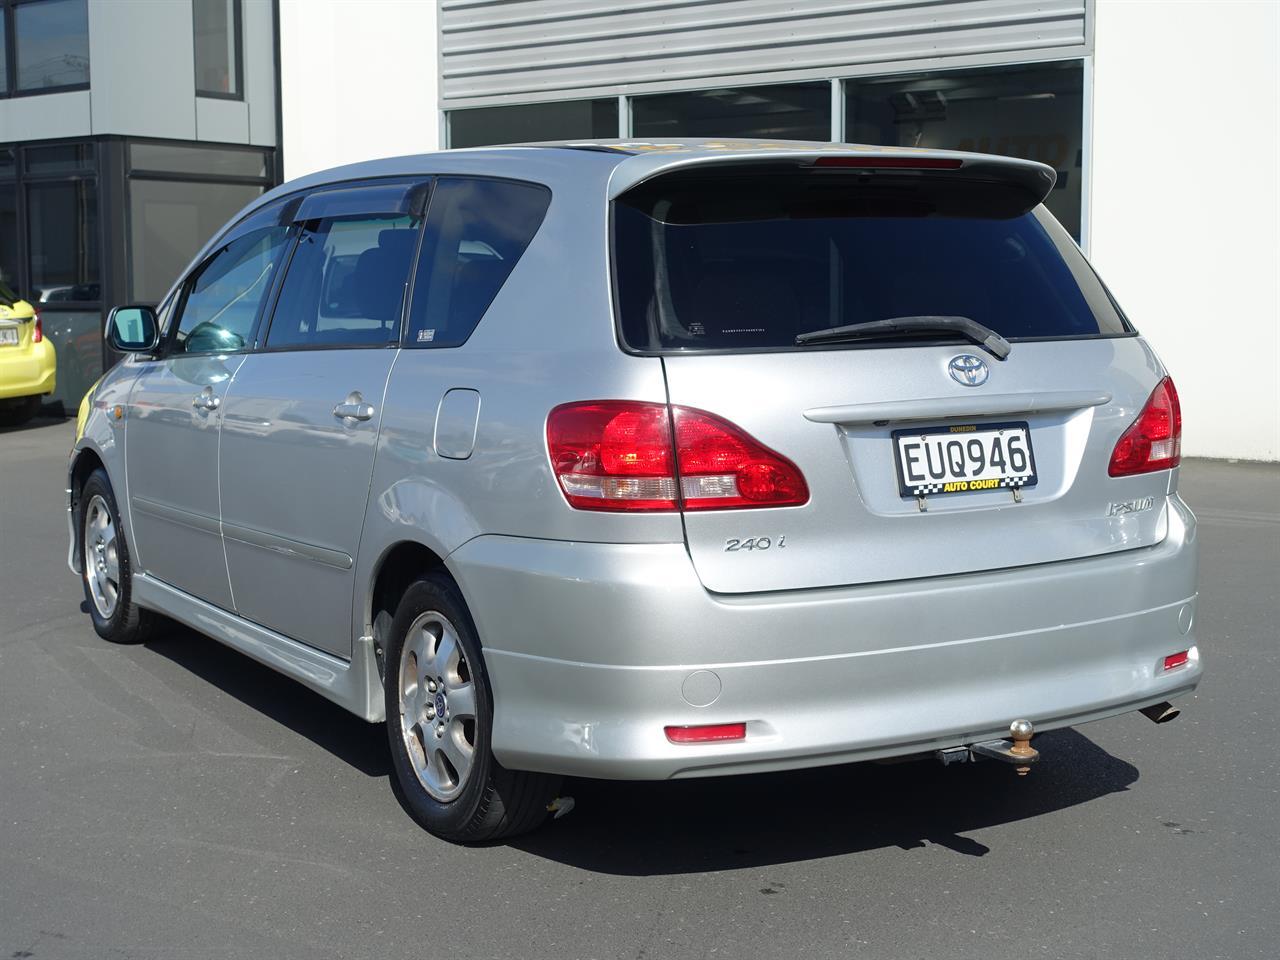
x=262, y=330
x=405, y=342
x=169, y=336
x=237, y=27
x=8, y=9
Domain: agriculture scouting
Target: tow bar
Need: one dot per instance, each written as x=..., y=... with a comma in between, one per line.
x=1016, y=749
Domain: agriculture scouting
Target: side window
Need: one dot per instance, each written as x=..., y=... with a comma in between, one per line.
x=345, y=285
x=477, y=230
x=225, y=294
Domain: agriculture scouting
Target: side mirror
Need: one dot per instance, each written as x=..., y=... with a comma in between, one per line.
x=133, y=330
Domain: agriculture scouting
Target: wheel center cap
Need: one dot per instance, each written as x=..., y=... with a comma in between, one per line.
x=440, y=704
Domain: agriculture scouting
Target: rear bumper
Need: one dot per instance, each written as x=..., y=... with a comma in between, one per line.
x=27, y=371
x=593, y=648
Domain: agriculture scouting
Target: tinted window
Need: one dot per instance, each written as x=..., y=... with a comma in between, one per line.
x=226, y=294
x=62, y=236
x=51, y=43
x=169, y=221
x=1034, y=111
x=345, y=284
x=477, y=230
x=532, y=122
x=217, y=31
x=8, y=234
x=781, y=111
x=750, y=263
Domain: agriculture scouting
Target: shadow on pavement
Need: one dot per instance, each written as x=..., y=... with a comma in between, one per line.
x=46, y=418
x=697, y=826
x=359, y=744
x=728, y=823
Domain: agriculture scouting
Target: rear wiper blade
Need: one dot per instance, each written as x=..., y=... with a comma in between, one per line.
x=982, y=335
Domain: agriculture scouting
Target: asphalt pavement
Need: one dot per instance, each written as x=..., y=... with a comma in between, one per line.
x=177, y=800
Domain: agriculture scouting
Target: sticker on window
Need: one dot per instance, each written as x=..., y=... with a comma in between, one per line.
x=426, y=336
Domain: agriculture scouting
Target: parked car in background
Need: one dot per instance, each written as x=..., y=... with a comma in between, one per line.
x=28, y=363
x=645, y=461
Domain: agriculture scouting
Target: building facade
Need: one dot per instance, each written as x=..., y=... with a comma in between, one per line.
x=130, y=130
x=1126, y=99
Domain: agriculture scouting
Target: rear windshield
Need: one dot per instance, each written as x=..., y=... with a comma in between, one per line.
x=749, y=263
x=7, y=297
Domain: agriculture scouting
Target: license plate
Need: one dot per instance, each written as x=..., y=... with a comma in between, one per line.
x=8, y=337
x=937, y=461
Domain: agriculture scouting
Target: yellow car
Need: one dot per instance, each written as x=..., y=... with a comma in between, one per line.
x=28, y=365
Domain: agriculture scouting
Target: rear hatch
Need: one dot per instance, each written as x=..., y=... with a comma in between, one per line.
x=925, y=454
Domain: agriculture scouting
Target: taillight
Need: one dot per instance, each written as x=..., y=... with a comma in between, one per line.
x=1154, y=441
x=620, y=455
x=37, y=332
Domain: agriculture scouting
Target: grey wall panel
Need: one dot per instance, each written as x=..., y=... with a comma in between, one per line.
x=142, y=68
x=45, y=117
x=222, y=121
x=548, y=49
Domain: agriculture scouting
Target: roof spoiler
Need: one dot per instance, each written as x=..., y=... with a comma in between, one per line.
x=1037, y=179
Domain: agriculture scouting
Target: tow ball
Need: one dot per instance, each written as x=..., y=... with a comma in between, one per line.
x=1016, y=749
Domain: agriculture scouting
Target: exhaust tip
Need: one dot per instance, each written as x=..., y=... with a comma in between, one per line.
x=1160, y=712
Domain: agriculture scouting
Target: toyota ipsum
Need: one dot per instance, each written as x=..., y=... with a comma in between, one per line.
x=651, y=460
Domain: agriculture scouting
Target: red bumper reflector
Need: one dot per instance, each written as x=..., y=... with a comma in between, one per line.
x=1176, y=659
x=707, y=733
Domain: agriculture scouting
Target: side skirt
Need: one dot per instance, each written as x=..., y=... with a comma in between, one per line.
x=354, y=685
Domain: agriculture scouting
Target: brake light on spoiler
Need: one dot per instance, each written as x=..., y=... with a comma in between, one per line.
x=622, y=455
x=895, y=162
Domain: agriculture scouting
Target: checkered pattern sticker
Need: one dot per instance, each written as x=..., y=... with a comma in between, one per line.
x=928, y=488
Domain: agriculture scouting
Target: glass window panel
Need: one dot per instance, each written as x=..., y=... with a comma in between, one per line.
x=4, y=54
x=1032, y=112
x=227, y=293
x=345, y=284
x=477, y=230
x=787, y=111
x=216, y=24
x=749, y=262
x=533, y=122
x=8, y=237
x=169, y=222
x=51, y=43
x=8, y=164
x=62, y=239
x=76, y=336
x=62, y=158
x=197, y=160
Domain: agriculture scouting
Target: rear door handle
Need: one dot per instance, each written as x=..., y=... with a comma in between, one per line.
x=205, y=400
x=354, y=408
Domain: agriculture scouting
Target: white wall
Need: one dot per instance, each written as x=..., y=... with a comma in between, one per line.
x=359, y=80
x=1185, y=213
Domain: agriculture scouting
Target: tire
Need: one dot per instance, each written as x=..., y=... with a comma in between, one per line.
x=106, y=567
x=459, y=794
x=14, y=413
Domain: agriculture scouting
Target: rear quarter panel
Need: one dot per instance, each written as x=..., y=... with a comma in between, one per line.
x=547, y=339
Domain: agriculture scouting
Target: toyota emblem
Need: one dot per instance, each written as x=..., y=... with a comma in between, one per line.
x=968, y=370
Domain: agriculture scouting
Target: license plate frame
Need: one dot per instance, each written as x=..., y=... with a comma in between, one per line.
x=951, y=486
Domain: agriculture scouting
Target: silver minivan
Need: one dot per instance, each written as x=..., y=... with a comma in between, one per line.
x=651, y=460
